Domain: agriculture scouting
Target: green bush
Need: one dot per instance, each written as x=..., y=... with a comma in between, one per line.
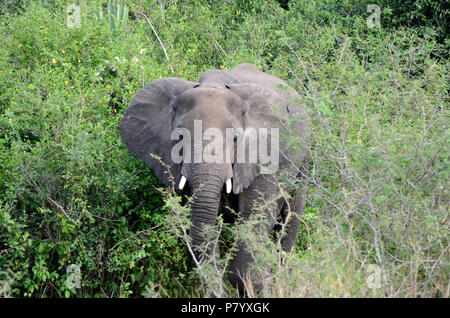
x=71, y=193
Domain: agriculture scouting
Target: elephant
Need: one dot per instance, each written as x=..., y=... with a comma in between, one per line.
x=242, y=99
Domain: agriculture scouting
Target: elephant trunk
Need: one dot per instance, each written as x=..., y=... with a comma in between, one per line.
x=206, y=182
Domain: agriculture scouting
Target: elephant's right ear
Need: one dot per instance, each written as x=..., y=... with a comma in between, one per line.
x=147, y=125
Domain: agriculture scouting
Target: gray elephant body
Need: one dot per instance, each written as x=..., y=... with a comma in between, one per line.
x=241, y=99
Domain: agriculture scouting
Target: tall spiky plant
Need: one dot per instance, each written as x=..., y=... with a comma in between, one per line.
x=117, y=15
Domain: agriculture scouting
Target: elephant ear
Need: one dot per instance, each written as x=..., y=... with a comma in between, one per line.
x=147, y=125
x=265, y=108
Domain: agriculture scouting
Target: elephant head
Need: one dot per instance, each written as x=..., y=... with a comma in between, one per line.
x=240, y=99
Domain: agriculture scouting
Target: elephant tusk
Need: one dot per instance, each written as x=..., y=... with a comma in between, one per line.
x=182, y=183
x=228, y=183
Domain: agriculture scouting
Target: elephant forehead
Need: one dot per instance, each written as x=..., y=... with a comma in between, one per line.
x=212, y=84
x=215, y=107
x=205, y=97
x=217, y=78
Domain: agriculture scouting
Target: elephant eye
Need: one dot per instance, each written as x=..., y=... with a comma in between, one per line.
x=226, y=86
x=197, y=85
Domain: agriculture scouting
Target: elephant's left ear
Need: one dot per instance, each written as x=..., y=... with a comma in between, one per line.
x=146, y=126
x=265, y=109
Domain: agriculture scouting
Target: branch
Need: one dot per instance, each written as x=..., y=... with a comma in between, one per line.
x=53, y=202
x=159, y=40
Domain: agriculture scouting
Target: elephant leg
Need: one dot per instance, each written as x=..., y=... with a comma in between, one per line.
x=257, y=201
x=292, y=215
x=292, y=212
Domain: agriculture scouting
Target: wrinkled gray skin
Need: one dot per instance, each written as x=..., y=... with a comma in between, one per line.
x=244, y=97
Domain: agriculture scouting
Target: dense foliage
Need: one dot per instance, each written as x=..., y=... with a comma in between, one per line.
x=71, y=193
